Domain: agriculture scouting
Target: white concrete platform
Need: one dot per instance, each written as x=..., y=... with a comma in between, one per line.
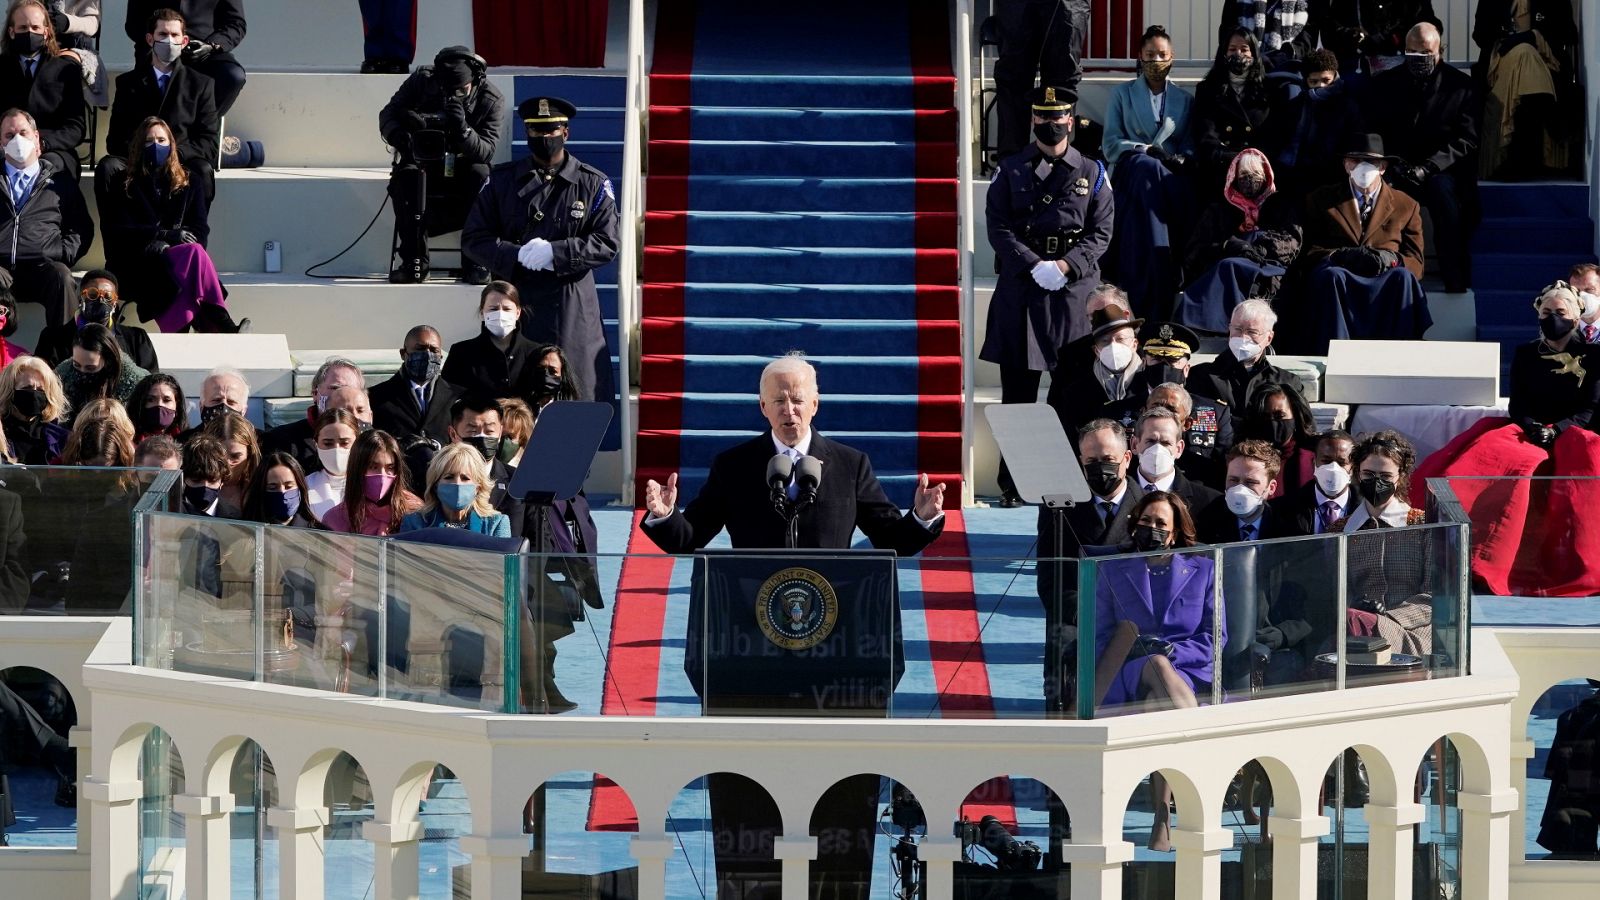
x=351, y=312
x=263, y=358
x=1413, y=373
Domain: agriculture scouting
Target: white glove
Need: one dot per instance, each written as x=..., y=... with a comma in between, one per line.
x=1048, y=275
x=536, y=254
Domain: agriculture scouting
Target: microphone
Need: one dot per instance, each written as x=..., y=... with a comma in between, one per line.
x=808, y=472
x=779, y=469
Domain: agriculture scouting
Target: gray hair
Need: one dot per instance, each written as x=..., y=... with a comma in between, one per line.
x=221, y=373
x=1117, y=295
x=1254, y=310
x=1185, y=399
x=337, y=362
x=792, y=363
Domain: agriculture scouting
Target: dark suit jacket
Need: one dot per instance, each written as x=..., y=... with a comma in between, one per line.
x=478, y=366
x=394, y=408
x=219, y=22
x=14, y=582
x=1086, y=529
x=1297, y=510
x=298, y=439
x=1218, y=525
x=54, y=97
x=735, y=497
x=189, y=106
x=1226, y=379
x=1334, y=223
x=55, y=344
x=1195, y=494
x=1435, y=122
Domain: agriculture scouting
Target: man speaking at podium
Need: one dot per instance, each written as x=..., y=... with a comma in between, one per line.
x=845, y=496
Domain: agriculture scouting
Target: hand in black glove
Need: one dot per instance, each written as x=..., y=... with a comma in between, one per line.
x=58, y=20
x=1156, y=151
x=410, y=121
x=455, y=117
x=1175, y=162
x=1387, y=259
x=1346, y=257
x=1541, y=435
x=1150, y=645
x=185, y=236
x=1522, y=37
x=156, y=247
x=198, y=51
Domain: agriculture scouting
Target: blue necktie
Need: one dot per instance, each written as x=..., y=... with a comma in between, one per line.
x=19, y=188
x=794, y=480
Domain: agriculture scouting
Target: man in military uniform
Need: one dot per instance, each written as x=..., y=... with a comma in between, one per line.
x=1049, y=212
x=545, y=224
x=444, y=125
x=1037, y=37
x=1168, y=352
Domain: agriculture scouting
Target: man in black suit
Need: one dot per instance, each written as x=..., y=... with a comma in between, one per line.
x=415, y=402
x=299, y=438
x=161, y=84
x=735, y=497
x=1158, y=439
x=1110, y=386
x=1235, y=374
x=35, y=78
x=215, y=28
x=1103, y=521
x=1313, y=508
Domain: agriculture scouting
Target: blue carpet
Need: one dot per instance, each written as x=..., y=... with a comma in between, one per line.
x=1505, y=274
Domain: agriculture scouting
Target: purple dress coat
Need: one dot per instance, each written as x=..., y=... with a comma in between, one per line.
x=1176, y=603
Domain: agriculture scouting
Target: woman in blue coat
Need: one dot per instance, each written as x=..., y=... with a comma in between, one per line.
x=457, y=495
x=1146, y=145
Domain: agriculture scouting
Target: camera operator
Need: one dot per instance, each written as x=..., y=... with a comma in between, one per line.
x=444, y=124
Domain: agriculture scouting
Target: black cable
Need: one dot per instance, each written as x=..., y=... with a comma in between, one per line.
x=335, y=258
x=939, y=695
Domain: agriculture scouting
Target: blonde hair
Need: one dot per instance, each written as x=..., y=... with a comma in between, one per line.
x=516, y=420
x=55, y=398
x=454, y=458
x=102, y=429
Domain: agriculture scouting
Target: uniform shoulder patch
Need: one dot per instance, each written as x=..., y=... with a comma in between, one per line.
x=605, y=186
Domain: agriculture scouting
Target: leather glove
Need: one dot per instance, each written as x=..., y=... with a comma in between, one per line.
x=198, y=51
x=1175, y=162
x=455, y=117
x=536, y=254
x=156, y=247
x=58, y=21
x=1387, y=259
x=1418, y=174
x=411, y=120
x=1156, y=151
x=1150, y=645
x=1270, y=637
x=5, y=279
x=1346, y=258
x=1541, y=435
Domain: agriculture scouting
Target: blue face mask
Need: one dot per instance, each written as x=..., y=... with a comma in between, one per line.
x=281, y=506
x=158, y=153
x=455, y=497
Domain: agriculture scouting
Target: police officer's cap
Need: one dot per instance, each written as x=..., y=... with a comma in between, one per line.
x=1112, y=318
x=545, y=112
x=1168, y=340
x=1053, y=100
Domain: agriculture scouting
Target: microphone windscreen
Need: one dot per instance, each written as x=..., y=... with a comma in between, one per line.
x=779, y=468
x=809, y=470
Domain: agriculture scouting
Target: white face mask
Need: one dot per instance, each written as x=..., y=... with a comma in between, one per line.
x=1116, y=356
x=1332, y=479
x=1156, y=461
x=499, y=322
x=1242, y=501
x=19, y=149
x=1591, y=304
x=1244, y=349
x=1365, y=175
x=334, y=459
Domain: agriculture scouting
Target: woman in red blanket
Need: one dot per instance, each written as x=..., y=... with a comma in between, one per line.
x=1525, y=539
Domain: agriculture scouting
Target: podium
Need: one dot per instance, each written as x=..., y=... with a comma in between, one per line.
x=794, y=632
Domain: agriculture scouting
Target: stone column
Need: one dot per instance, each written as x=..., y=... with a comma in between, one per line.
x=796, y=854
x=939, y=854
x=394, y=848
x=1391, y=830
x=1199, y=873
x=208, y=866
x=300, y=851
x=651, y=851
x=114, y=837
x=79, y=739
x=1294, y=855
x=496, y=865
x=1096, y=868
x=1486, y=847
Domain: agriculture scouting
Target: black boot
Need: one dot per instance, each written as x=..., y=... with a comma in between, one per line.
x=213, y=318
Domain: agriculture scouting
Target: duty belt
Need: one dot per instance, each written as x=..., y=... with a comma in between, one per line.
x=1054, y=246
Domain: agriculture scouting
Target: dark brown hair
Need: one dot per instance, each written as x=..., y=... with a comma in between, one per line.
x=204, y=459
x=1260, y=451
x=139, y=166
x=1391, y=445
x=499, y=287
x=401, y=501
x=1182, y=521
x=253, y=507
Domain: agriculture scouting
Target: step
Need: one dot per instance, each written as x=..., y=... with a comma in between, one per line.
x=839, y=265
x=1530, y=271
x=768, y=123
x=775, y=337
x=898, y=483
x=847, y=412
x=890, y=449
x=805, y=90
x=777, y=193
x=789, y=229
x=881, y=374
x=1548, y=199
x=1572, y=236
x=862, y=159
x=806, y=301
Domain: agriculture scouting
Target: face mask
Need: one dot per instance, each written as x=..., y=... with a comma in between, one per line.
x=551, y=385
x=1155, y=376
x=30, y=402
x=1156, y=460
x=208, y=413
x=19, y=150
x=1146, y=538
x=156, y=418
x=499, y=322
x=376, y=486
x=508, y=450
x=1250, y=185
x=1364, y=176
x=455, y=496
x=95, y=311
x=1332, y=479
x=1052, y=133
x=1376, y=491
x=280, y=506
x=1591, y=304
x=334, y=459
x=546, y=147
x=199, y=497
x=1157, y=68
x=1103, y=478
x=1115, y=356
x=1244, y=349
x=167, y=51
x=1421, y=65
x=487, y=447
x=1555, y=327
x=1242, y=501
x=157, y=154
x=1280, y=432
x=1238, y=64
x=27, y=43
x=422, y=366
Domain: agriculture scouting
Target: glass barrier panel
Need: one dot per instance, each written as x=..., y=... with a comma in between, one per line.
x=570, y=660
x=1393, y=578
x=323, y=610
x=446, y=625
x=1280, y=611
x=200, y=613
x=66, y=537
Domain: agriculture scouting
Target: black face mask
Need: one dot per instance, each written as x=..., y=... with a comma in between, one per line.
x=550, y=386
x=28, y=43
x=1103, y=478
x=1146, y=538
x=1555, y=327
x=96, y=311
x=207, y=413
x=1421, y=67
x=545, y=147
x=1376, y=491
x=422, y=366
x=29, y=402
x=487, y=447
x=1155, y=376
x=1052, y=133
x=1237, y=65
x=93, y=378
x=1249, y=185
x=199, y=497
x=1280, y=431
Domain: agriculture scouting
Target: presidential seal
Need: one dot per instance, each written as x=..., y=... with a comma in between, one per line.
x=797, y=609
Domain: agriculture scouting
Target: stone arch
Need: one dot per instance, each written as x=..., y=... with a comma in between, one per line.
x=306, y=790
x=1385, y=780
x=122, y=759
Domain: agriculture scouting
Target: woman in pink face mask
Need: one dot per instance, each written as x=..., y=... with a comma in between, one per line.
x=375, y=497
x=8, y=327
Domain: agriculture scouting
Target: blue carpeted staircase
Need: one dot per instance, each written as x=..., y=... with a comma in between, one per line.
x=801, y=196
x=1531, y=235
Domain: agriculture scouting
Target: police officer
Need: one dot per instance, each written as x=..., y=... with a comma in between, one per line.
x=1037, y=37
x=1049, y=213
x=444, y=125
x=1168, y=353
x=545, y=223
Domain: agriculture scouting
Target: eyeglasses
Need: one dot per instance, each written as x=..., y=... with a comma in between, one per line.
x=96, y=294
